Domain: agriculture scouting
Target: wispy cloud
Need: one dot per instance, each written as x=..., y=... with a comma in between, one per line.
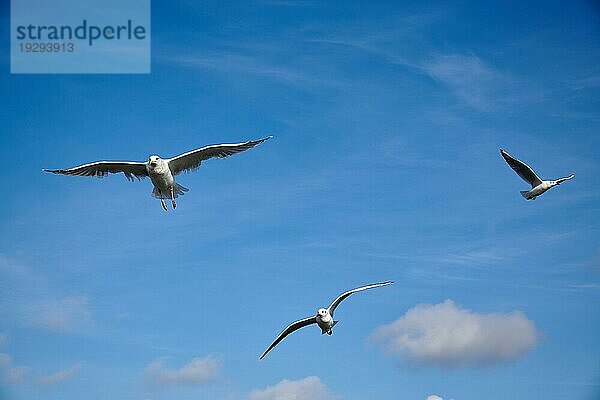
x=564, y=287
x=444, y=335
x=367, y=45
x=585, y=83
x=473, y=81
x=58, y=376
x=474, y=257
x=589, y=286
x=63, y=315
x=239, y=63
x=4, y=360
x=199, y=371
x=10, y=374
x=301, y=57
x=309, y=388
x=14, y=375
x=288, y=3
x=33, y=301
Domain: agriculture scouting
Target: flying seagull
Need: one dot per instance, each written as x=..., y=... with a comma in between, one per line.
x=161, y=172
x=323, y=318
x=538, y=186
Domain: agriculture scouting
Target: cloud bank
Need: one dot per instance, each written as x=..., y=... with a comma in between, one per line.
x=309, y=388
x=446, y=336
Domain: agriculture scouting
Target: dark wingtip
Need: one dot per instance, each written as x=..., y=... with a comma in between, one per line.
x=259, y=141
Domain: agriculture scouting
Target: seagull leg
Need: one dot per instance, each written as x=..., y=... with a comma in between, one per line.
x=173, y=198
x=162, y=202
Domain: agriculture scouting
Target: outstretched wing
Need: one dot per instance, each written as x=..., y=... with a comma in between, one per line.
x=291, y=328
x=566, y=178
x=522, y=169
x=100, y=169
x=343, y=296
x=191, y=160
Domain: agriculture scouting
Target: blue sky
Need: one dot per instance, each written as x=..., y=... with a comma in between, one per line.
x=387, y=119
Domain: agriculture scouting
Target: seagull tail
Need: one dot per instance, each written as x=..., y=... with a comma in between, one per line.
x=178, y=190
x=524, y=194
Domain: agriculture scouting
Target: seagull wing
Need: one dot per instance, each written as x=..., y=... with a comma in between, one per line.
x=100, y=169
x=566, y=178
x=291, y=328
x=522, y=169
x=343, y=296
x=191, y=160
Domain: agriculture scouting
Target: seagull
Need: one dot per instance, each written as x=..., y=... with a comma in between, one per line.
x=538, y=186
x=161, y=171
x=323, y=318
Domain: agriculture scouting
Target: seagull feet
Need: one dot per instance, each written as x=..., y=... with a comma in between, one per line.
x=163, y=204
x=173, y=198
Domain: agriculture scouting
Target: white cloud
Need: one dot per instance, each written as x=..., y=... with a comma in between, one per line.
x=14, y=375
x=473, y=81
x=309, y=388
x=443, y=335
x=63, y=315
x=435, y=397
x=10, y=374
x=58, y=377
x=33, y=301
x=4, y=360
x=198, y=371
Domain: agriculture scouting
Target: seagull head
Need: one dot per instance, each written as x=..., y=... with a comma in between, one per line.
x=153, y=161
x=321, y=312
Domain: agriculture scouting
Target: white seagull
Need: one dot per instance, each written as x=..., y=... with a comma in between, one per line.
x=538, y=186
x=323, y=318
x=161, y=172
